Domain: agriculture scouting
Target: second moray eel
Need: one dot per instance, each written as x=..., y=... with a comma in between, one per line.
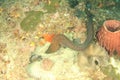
x=60, y=39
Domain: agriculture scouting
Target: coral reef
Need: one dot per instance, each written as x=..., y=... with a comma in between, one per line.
x=17, y=43
x=112, y=70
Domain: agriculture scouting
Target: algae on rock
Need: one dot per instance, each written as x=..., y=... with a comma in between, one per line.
x=52, y=6
x=31, y=20
x=110, y=71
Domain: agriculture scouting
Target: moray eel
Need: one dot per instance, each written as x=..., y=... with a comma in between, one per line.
x=61, y=40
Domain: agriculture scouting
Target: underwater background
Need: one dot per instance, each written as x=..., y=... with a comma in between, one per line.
x=29, y=28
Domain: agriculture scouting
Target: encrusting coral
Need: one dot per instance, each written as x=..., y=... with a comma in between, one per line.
x=30, y=22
